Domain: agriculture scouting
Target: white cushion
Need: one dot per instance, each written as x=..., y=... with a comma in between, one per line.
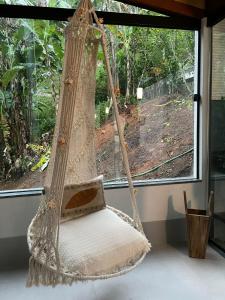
x=99, y=243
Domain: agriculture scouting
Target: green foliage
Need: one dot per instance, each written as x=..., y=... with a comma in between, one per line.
x=132, y=100
x=43, y=159
x=31, y=56
x=121, y=100
x=10, y=75
x=41, y=155
x=100, y=114
x=44, y=115
x=101, y=86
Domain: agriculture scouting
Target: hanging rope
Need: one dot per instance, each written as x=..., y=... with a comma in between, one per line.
x=136, y=216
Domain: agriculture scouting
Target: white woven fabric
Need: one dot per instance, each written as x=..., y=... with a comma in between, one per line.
x=100, y=243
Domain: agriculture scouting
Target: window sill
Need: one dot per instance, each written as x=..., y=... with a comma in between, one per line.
x=107, y=186
x=21, y=193
x=154, y=182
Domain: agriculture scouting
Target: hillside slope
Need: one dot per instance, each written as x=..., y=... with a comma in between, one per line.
x=156, y=132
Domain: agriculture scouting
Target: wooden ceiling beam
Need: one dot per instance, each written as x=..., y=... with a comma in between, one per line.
x=168, y=7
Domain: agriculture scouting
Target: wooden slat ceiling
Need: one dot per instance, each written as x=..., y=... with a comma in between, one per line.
x=195, y=3
x=188, y=8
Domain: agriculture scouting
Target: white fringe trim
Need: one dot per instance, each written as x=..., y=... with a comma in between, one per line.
x=40, y=274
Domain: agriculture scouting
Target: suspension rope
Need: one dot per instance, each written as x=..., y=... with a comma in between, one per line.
x=123, y=143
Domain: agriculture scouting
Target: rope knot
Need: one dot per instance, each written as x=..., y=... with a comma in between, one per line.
x=51, y=204
x=61, y=141
x=68, y=81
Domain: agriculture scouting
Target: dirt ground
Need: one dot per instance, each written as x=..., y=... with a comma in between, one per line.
x=156, y=132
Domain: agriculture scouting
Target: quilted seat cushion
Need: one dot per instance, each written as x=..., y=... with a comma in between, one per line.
x=99, y=243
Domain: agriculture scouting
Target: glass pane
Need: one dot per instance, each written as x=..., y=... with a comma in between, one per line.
x=153, y=71
x=218, y=226
x=218, y=62
x=104, y=5
x=44, y=3
x=217, y=133
x=116, y=6
x=217, y=126
x=31, y=64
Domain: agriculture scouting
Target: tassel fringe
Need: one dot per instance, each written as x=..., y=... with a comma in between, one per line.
x=41, y=275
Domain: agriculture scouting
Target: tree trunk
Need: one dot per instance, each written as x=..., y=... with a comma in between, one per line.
x=128, y=88
x=18, y=130
x=2, y=158
x=114, y=68
x=29, y=123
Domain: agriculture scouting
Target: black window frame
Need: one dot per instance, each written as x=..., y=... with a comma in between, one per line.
x=123, y=19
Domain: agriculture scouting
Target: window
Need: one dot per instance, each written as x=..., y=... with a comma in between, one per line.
x=217, y=136
x=217, y=133
x=155, y=75
x=31, y=63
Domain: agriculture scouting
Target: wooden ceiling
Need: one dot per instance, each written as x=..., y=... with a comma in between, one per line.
x=195, y=3
x=185, y=14
x=197, y=9
x=188, y=8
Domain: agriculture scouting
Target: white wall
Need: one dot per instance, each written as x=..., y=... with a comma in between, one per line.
x=156, y=203
x=16, y=214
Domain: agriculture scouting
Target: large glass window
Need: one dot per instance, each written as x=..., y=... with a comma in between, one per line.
x=217, y=133
x=154, y=73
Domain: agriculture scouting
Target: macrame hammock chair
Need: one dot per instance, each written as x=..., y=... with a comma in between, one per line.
x=74, y=234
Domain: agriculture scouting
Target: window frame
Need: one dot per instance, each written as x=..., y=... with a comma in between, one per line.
x=123, y=19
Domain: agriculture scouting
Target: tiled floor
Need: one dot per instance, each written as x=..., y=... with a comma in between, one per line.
x=167, y=273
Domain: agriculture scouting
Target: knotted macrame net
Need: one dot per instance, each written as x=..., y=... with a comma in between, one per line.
x=73, y=157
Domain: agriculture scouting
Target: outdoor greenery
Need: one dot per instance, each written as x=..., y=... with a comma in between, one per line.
x=31, y=56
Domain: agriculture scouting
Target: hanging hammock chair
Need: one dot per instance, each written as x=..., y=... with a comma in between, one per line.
x=75, y=235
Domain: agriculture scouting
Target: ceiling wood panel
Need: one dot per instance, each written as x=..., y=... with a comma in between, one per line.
x=195, y=3
x=168, y=7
